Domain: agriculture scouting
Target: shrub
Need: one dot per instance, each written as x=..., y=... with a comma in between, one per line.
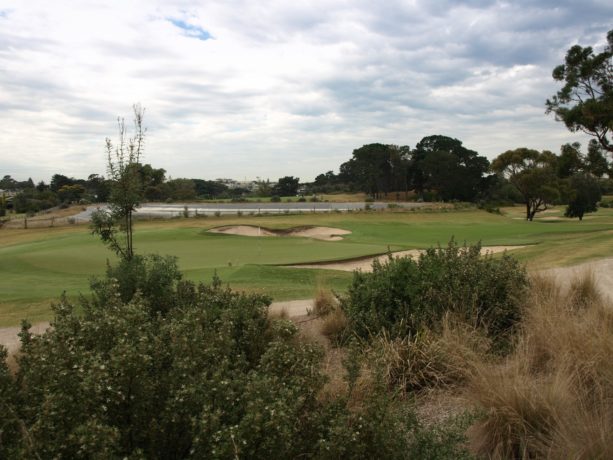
x=205, y=375
x=403, y=295
x=301, y=199
x=275, y=199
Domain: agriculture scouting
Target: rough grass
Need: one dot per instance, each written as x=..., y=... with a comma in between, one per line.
x=553, y=398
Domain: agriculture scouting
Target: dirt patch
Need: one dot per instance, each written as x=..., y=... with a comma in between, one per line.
x=10, y=339
x=365, y=264
x=318, y=233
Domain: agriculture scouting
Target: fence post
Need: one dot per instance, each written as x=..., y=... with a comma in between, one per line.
x=25, y=223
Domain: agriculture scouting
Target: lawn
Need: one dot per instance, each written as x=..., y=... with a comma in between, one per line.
x=37, y=265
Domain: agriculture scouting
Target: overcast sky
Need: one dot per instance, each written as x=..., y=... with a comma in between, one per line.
x=244, y=89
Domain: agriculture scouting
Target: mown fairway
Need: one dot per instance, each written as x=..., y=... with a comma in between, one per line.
x=38, y=265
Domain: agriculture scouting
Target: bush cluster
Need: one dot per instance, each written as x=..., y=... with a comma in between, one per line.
x=403, y=296
x=151, y=366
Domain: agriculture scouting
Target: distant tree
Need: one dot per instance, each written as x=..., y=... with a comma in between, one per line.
x=98, y=187
x=585, y=102
x=264, y=188
x=585, y=195
x=209, y=188
x=115, y=226
x=181, y=189
x=286, y=186
x=533, y=174
x=376, y=169
x=71, y=193
x=443, y=164
x=8, y=183
x=596, y=161
x=58, y=181
x=570, y=161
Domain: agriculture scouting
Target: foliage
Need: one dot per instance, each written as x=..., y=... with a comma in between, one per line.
x=444, y=165
x=585, y=102
x=532, y=174
x=585, y=195
x=286, y=186
x=115, y=226
x=402, y=296
x=210, y=376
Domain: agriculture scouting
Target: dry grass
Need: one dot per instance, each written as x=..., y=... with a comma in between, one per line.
x=334, y=325
x=278, y=314
x=429, y=360
x=553, y=398
x=325, y=302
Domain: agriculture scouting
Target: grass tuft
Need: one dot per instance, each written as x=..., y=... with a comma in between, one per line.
x=553, y=397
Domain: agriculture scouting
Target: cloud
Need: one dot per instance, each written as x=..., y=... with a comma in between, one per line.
x=283, y=88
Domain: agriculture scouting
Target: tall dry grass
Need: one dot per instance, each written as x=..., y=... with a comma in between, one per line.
x=553, y=397
x=428, y=359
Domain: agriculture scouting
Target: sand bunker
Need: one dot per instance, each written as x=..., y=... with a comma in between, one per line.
x=318, y=233
x=365, y=264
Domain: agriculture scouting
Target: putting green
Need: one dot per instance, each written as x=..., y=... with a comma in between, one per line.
x=38, y=265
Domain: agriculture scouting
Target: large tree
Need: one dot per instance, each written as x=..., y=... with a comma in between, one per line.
x=115, y=226
x=376, y=169
x=443, y=164
x=533, y=174
x=585, y=102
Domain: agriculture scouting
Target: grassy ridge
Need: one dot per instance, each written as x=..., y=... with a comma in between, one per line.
x=38, y=264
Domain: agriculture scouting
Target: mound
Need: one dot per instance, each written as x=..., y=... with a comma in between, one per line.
x=318, y=233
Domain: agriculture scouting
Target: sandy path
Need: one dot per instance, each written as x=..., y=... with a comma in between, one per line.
x=366, y=264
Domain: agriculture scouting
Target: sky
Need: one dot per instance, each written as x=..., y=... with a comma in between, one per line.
x=246, y=89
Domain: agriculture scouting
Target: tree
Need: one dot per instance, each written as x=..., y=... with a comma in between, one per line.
x=286, y=186
x=58, y=181
x=585, y=195
x=376, y=169
x=585, y=102
x=443, y=164
x=533, y=174
x=115, y=226
x=8, y=183
x=570, y=161
x=596, y=161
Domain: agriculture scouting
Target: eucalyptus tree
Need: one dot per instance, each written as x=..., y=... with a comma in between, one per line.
x=585, y=102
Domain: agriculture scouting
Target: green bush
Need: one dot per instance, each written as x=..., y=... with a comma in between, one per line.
x=157, y=367
x=403, y=295
x=275, y=199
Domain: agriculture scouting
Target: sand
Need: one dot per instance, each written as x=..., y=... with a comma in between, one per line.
x=318, y=233
x=365, y=264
